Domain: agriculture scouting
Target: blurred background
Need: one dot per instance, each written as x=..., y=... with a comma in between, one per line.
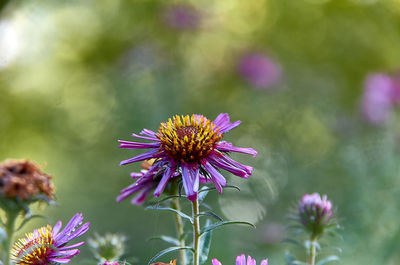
x=315, y=83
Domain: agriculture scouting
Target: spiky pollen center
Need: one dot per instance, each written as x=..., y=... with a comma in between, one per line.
x=188, y=138
x=35, y=248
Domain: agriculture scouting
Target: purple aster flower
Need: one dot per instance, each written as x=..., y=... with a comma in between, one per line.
x=48, y=245
x=190, y=147
x=378, y=97
x=241, y=260
x=259, y=70
x=182, y=17
x=315, y=212
x=146, y=182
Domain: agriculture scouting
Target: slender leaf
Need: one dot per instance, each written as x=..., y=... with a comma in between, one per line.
x=167, y=239
x=205, y=205
x=3, y=236
x=183, y=215
x=204, y=245
x=328, y=259
x=292, y=241
x=213, y=188
x=166, y=251
x=289, y=257
x=297, y=262
x=202, y=194
x=27, y=219
x=211, y=214
x=213, y=226
x=165, y=199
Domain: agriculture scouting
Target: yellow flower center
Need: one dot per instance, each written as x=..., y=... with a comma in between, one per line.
x=35, y=248
x=188, y=138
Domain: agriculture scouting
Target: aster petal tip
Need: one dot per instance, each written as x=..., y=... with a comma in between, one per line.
x=241, y=260
x=216, y=262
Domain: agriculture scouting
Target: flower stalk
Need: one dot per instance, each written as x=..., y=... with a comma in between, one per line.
x=10, y=224
x=196, y=232
x=313, y=252
x=179, y=229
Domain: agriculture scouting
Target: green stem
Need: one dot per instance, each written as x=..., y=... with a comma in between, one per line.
x=11, y=217
x=196, y=232
x=313, y=252
x=179, y=230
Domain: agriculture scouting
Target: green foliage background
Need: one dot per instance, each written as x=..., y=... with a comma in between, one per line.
x=91, y=72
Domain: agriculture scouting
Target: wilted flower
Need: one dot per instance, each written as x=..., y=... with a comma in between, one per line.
x=146, y=182
x=182, y=17
x=379, y=95
x=47, y=246
x=259, y=70
x=315, y=212
x=189, y=146
x=23, y=180
x=241, y=260
x=107, y=248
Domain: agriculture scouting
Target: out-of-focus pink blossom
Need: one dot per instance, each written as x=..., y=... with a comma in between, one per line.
x=182, y=17
x=378, y=98
x=259, y=70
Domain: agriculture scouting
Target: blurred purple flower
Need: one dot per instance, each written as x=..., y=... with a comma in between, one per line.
x=259, y=70
x=182, y=17
x=110, y=263
x=396, y=89
x=188, y=146
x=241, y=260
x=378, y=98
x=315, y=212
x=49, y=246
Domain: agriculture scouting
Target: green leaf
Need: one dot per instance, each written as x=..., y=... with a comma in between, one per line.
x=165, y=199
x=289, y=257
x=297, y=262
x=167, y=239
x=213, y=188
x=166, y=251
x=202, y=194
x=213, y=226
x=156, y=207
x=28, y=218
x=211, y=214
x=3, y=236
x=328, y=259
x=292, y=241
x=204, y=244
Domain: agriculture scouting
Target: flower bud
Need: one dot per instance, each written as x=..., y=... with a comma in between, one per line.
x=315, y=213
x=109, y=247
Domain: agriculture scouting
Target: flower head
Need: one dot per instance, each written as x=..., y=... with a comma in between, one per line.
x=182, y=17
x=259, y=70
x=48, y=245
x=190, y=147
x=110, y=263
x=315, y=212
x=24, y=180
x=241, y=260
